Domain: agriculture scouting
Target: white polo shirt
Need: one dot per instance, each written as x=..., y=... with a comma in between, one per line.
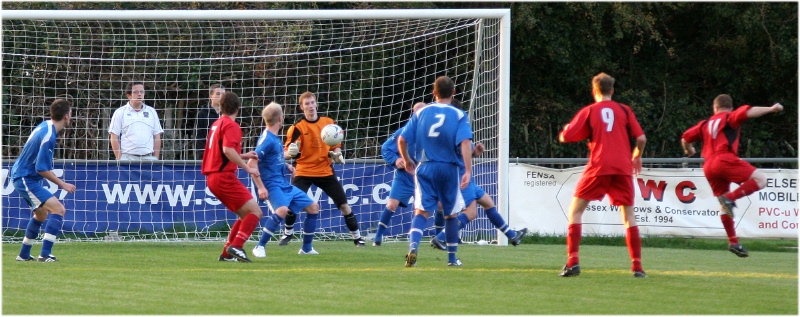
x=136, y=129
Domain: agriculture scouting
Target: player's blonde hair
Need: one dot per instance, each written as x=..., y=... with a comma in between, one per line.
x=272, y=113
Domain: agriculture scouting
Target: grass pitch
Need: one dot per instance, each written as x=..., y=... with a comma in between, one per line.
x=186, y=279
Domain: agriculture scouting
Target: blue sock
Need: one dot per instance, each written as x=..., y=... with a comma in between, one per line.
x=415, y=235
x=31, y=233
x=50, y=233
x=497, y=220
x=383, y=224
x=451, y=233
x=463, y=220
x=438, y=221
x=269, y=229
x=309, y=228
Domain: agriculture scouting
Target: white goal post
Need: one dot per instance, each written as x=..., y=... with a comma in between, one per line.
x=367, y=67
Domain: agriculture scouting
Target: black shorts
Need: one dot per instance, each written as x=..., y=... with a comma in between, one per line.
x=329, y=184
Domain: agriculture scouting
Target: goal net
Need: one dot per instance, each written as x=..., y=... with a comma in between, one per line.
x=366, y=68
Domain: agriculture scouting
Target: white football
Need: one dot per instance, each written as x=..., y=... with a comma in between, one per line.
x=332, y=134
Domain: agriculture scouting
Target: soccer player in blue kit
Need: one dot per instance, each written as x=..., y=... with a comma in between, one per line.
x=436, y=131
x=274, y=187
x=402, y=184
x=34, y=164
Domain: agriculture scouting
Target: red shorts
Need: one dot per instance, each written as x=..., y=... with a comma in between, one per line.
x=228, y=189
x=722, y=170
x=619, y=189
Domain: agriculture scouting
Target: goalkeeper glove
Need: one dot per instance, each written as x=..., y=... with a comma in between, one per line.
x=294, y=149
x=336, y=157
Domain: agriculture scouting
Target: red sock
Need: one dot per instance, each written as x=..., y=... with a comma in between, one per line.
x=234, y=232
x=573, y=243
x=745, y=189
x=634, y=242
x=249, y=224
x=727, y=223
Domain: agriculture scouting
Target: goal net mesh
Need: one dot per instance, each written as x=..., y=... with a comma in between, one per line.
x=366, y=75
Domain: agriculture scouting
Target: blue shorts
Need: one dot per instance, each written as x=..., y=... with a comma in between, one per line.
x=32, y=191
x=291, y=197
x=472, y=193
x=402, y=187
x=438, y=182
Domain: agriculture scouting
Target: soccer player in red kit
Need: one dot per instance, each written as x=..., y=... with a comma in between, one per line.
x=609, y=126
x=222, y=155
x=722, y=166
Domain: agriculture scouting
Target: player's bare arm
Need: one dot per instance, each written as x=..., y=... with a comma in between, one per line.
x=466, y=155
x=637, y=154
x=478, y=149
x=252, y=155
x=49, y=175
x=236, y=158
x=688, y=148
x=263, y=194
x=755, y=112
x=402, y=148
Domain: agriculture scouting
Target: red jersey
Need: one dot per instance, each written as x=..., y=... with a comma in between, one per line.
x=720, y=133
x=609, y=126
x=224, y=132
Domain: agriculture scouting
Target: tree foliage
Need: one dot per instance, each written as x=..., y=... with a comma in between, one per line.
x=669, y=59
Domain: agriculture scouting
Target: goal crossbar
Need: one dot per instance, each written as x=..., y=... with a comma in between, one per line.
x=255, y=14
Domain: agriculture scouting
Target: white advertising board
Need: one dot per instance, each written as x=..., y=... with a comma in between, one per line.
x=668, y=202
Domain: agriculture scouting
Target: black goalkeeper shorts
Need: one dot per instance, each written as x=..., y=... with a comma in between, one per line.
x=329, y=184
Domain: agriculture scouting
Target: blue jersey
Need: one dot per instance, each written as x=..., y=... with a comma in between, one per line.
x=271, y=163
x=437, y=132
x=37, y=155
x=389, y=150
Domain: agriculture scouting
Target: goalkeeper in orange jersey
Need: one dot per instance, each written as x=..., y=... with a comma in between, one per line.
x=314, y=165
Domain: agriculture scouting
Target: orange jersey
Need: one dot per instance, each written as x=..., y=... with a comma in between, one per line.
x=313, y=159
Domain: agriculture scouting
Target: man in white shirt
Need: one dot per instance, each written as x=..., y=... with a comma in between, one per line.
x=135, y=128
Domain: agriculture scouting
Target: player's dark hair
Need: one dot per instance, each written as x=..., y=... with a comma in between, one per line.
x=723, y=101
x=214, y=87
x=229, y=103
x=60, y=109
x=603, y=83
x=457, y=103
x=129, y=87
x=443, y=87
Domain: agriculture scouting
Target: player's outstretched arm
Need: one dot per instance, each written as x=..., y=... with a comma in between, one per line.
x=236, y=158
x=755, y=112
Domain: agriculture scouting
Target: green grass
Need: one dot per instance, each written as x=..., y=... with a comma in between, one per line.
x=186, y=278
